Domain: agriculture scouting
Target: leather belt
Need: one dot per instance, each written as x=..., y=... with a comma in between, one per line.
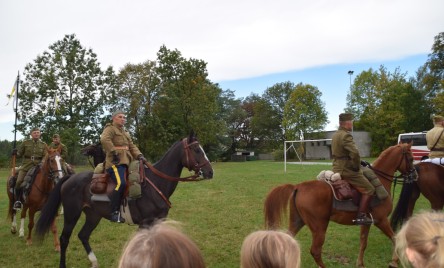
x=33, y=158
x=342, y=157
x=121, y=147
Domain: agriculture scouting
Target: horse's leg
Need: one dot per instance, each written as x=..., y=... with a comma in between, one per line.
x=384, y=226
x=22, y=221
x=91, y=222
x=14, y=223
x=363, y=245
x=69, y=222
x=55, y=235
x=318, y=239
x=30, y=226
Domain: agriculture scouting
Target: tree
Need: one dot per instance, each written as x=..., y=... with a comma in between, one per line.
x=188, y=100
x=304, y=112
x=137, y=95
x=277, y=96
x=65, y=91
x=383, y=103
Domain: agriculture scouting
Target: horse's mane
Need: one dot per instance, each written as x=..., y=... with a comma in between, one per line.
x=387, y=151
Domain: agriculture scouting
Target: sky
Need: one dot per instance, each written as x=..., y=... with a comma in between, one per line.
x=248, y=45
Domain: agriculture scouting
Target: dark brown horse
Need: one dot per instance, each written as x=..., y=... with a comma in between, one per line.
x=48, y=174
x=94, y=151
x=430, y=183
x=311, y=203
x=158, y=185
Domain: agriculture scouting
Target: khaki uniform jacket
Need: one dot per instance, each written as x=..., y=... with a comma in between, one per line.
x=347, y=161
x=32, y=153
x=112, y=137
x=64, y=153
x=432, y=137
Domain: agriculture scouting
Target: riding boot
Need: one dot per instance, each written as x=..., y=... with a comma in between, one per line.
x=362, y=218
x=115, y=207
x=17, y=198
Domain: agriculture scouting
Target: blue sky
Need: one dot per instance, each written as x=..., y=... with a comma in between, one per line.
x=248, y=45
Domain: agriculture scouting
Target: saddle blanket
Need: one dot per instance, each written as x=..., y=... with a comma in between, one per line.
x=437, y=161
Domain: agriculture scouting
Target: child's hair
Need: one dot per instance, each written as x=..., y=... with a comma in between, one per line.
x=270, y=249
x=424, y=234
x=163, y=245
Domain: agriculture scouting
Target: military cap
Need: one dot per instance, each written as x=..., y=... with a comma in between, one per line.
x=55, y=136
x=345, y=117
x=35, y=129
x=118, y=112
x=438, y=118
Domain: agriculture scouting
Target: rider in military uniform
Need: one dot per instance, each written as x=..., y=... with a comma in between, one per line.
x=67, y=169
x=32, y=151
x=56, y=143
x=120, y=151
x=435, y=138
x=347, y=162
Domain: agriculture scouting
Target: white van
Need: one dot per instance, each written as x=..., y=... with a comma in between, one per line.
x=419, y=147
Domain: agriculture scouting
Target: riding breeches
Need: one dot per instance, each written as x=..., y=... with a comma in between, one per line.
x=118, y=175
x=20, y=178
x=361, y=184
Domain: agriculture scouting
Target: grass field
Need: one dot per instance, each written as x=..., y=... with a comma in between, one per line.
x=217, y=214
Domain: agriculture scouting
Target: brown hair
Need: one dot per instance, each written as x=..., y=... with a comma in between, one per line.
x=163, y=245
x=270, y=249
x=424, y=235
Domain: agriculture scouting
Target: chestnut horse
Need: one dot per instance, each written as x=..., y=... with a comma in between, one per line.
x=48, y=174
x=159, y=183
x=311, y=203
x=430, y=183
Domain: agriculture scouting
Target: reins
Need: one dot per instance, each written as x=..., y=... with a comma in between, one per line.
x=194, y=165
x=394, y=180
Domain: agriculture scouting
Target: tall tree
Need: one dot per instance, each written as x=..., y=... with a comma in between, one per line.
x=66, y=91
x=188, y=99
x=277, y=96
x=137, y=95
x=304, y=112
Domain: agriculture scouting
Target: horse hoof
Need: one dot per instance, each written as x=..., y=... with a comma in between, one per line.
x=28, y=242
x=13, y=230
x=22, y=234
x=393, y=265
x=57, y=248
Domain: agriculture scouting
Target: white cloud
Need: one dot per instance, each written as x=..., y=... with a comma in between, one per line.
x=238, y=39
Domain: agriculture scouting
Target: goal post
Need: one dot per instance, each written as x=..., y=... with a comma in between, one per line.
x=289, y=145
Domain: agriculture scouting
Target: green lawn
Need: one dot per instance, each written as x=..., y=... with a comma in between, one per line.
x=217, y=214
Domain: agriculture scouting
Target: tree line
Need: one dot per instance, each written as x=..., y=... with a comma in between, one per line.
x=65, y=90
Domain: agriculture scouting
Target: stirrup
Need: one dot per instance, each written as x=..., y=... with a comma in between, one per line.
x=17, y=205
x=115, y=217
x=362, y=219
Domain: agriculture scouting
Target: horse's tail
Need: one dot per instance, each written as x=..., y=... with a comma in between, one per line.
x=276, y=205
x=50, y=209
x=400, y=213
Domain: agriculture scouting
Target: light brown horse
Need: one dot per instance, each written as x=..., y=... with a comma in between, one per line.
x=49, y=173
x=430, y=183
x=311, y=203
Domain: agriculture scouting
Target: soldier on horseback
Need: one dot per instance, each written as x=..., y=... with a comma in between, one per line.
x=120, y=151
x=347, y=162
x=435, y=139
x=33, y=151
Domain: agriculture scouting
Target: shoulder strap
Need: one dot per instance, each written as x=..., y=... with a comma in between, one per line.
x=437, y=140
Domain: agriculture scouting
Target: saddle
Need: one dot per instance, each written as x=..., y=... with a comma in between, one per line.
x=102, y=184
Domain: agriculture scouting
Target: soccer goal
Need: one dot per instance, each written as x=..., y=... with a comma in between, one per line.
x=319, y=148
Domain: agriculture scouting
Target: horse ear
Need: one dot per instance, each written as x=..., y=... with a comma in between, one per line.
x=192, y=135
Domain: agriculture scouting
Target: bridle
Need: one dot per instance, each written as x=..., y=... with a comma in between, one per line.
x=190, y=162
x=408, y=176
x=51, y=172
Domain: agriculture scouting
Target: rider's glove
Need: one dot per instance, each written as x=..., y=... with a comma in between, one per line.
x=365, y=163
x=140, y=157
